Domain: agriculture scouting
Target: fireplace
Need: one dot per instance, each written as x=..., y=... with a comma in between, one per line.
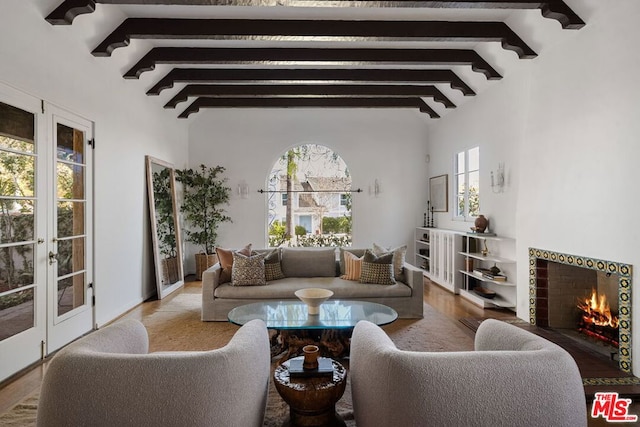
x=573, y=293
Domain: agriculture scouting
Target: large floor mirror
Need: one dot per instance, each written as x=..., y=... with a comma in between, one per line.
x=164, y=226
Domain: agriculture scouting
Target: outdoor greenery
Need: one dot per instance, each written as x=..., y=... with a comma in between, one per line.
x=205, y=194
x=299, y=167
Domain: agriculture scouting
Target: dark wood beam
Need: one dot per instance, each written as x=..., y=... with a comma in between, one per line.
x=306, y=90
x=321, y=102
x=344, y=57
x=553, y=9
x=299, y=75
x=304, y=29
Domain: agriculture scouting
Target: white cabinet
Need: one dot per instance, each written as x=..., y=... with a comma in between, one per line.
x=480, y=254
x=437, y=253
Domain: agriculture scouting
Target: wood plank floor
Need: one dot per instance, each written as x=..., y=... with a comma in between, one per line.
x=451, y=306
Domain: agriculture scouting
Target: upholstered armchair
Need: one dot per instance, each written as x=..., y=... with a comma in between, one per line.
x=108, y=378
x=513, y=378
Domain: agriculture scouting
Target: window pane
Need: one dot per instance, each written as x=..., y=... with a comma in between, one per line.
x=460, y=206
x=70, y=219
x=70, y=256
x=16, y=144
x=16, y=266
x=17, y=313
x=70, y=293
x=17, y=123
x=70, y=181
x=16, y=220
x=474, y=159
x=474, y=193
x=70, y=144
x=16, y=174
x=460, y=163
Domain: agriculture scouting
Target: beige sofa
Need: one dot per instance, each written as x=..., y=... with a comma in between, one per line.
x=312, y=268
x=108, y=378
x=514, y=378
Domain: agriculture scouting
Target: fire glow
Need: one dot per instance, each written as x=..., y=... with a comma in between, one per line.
x=596, y=311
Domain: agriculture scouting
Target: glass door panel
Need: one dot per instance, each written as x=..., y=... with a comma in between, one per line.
x=17, y=220
x=70, y=224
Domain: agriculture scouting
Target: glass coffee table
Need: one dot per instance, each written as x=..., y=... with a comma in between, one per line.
x=294, y=327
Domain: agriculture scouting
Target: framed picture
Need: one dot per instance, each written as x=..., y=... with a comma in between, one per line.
x=439, y=193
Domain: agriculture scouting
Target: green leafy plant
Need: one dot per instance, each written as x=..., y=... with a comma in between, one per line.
x=205, y=194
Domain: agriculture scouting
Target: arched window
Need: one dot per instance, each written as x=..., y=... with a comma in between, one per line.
x=309, y=198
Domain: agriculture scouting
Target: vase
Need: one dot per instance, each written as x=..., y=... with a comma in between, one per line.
x=310, y=356
x=481, y=224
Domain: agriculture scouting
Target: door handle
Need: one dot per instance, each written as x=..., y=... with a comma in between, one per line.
x=53, y=257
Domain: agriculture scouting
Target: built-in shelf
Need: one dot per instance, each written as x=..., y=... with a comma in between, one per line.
x=500, y=252
x=497, y=301
x=486, y=279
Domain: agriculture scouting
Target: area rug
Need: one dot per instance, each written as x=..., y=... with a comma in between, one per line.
x=176, y=326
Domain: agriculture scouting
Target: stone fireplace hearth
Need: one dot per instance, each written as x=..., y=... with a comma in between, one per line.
x=572, y=276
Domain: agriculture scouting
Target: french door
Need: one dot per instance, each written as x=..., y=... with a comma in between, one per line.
x=45, y=229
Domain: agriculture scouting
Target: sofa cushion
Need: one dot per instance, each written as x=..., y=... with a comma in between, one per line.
x=399, y=257
x=248, y=270
x=356, y=252
x=308, y=262
x=225, y=257
x=272, y=267
x=285, y=288
x=377, y=269
x=352, y=266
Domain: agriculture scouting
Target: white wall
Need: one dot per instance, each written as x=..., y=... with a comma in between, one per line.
x=388, y=145
x=55, y=64
x=566, y=126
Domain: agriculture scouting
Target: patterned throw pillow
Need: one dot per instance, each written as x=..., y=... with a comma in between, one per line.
x=352, y=266
x=272, y=267
x=225, y=257
x=399, y=257
x=248, y=270
x=377, y=269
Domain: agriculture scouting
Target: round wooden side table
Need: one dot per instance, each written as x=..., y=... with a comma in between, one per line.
x=312, y=400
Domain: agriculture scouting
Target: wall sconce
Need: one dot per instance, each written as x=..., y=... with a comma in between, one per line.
x=243, y=190
x=497, y=179
x=375, y=190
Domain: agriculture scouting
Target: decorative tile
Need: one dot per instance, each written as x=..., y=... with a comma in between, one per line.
x=611, y=381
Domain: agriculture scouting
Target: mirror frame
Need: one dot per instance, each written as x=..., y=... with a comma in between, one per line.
x=163, y=291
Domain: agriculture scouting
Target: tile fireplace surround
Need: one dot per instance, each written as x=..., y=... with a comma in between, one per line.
x=539, y=287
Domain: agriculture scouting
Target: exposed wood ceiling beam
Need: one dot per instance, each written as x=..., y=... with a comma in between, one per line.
x=319, y=102
x=308, y=90
x=310, y=29
x=344, y=57
x=336, y=75
x=65, y=13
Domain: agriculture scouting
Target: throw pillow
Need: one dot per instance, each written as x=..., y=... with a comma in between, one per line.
x=225, y=257
x=248, y=270
x=399, y=257
x=272, y=267
x=377, y=269
x=352, y=266
x=356, y=252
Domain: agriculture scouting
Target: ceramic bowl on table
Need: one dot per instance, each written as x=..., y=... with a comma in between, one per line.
x=313, y=297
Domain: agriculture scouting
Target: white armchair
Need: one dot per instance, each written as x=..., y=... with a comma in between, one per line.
x=513, y=378
x=108, y=378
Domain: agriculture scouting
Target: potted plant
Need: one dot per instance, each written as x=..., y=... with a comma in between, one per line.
x=205, y=194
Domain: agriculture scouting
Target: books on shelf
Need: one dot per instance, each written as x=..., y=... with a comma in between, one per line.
x=487, y=274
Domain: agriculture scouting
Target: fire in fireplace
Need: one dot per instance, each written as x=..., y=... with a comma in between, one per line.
x=596, y=319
